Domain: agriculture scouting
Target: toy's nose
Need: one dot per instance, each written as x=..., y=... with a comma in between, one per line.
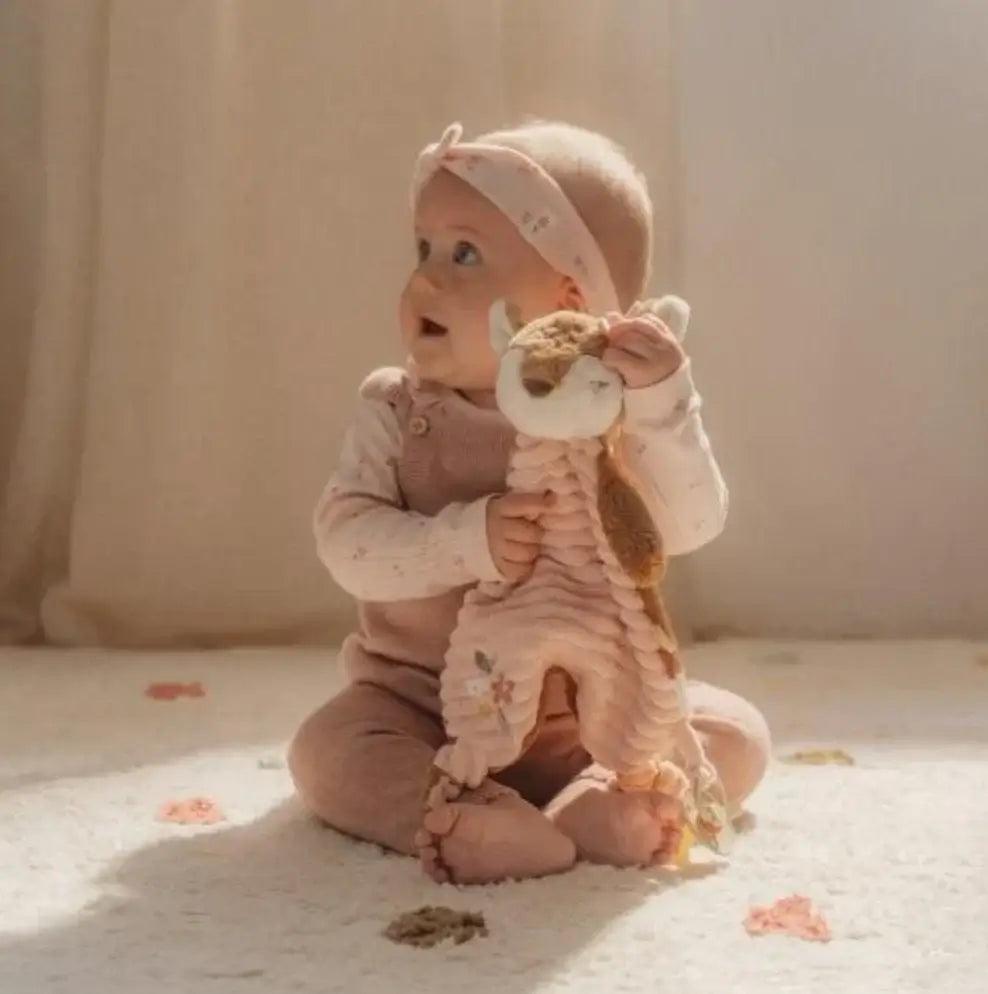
x=536, y=387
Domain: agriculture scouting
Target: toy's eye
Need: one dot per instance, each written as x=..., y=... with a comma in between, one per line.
x=598, y=385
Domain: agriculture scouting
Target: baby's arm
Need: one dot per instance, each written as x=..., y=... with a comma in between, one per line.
x=666, y=447
x=375, y=548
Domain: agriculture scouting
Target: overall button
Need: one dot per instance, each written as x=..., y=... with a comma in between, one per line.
x=418, y=425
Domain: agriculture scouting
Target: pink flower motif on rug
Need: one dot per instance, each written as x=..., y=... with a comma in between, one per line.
x=791, y=916
x=171, y=691
x=192, y=811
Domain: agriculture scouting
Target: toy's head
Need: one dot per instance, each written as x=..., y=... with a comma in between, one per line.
x=552, y=382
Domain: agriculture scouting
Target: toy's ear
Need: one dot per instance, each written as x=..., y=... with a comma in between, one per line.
x=675, y=313
x=672, y=311
x=504, y=320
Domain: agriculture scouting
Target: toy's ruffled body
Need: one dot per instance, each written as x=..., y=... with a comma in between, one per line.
x=590, y=607
x=578, y=611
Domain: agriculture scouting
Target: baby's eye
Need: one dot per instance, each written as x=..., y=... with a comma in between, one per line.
x=466, y=254
x=422, y=247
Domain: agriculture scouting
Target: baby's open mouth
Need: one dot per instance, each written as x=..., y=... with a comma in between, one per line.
x=431, y=329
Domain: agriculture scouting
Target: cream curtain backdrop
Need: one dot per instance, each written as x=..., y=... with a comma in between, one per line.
x=204, y=231
x=205, y=215
x=835, y=249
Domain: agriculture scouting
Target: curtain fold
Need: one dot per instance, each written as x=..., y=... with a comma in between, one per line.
x=59, y=58
x=212, y=229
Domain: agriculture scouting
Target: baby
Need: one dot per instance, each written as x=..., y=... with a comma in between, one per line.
x=548, y=217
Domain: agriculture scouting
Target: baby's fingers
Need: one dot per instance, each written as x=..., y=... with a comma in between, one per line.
x=513, y=572
x=639, y=337
x=522, y=530
x=519, y=552
x=515, y=560
x=522, y=505
x=620, y=360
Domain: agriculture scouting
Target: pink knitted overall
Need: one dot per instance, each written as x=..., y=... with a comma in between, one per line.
x=451, y=451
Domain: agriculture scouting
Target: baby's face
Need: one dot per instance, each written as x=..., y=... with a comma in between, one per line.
x=469, y=255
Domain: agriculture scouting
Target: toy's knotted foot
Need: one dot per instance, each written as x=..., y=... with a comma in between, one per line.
x=489, y=834
x=703, y=803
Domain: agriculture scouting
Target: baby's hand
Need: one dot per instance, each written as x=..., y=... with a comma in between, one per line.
x=642, y=350
x=512, y=533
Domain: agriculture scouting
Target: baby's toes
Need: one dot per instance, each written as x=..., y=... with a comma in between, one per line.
x=667, y=828
x=427, y=844
x=623, y=828
x=668, y=820
x=652, y=828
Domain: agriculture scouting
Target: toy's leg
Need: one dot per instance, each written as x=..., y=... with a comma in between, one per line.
x=735, y=736
x=491, y=833
x=624, y=829
x=555, y=757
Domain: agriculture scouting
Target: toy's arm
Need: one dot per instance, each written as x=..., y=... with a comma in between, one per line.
x=373, y=546
x=666, y=448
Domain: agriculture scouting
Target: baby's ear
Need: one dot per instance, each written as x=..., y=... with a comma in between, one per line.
x=571, y=298
x=504, y=321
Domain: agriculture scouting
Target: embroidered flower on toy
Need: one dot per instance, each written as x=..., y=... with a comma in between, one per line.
x=493, y=690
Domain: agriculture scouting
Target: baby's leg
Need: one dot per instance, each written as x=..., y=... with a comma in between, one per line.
x=362, y=762
x=633, y=829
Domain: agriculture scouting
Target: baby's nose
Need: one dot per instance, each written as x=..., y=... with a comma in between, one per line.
x=425, y=283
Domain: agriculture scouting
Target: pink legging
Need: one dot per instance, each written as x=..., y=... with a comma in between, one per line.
x=362, y=760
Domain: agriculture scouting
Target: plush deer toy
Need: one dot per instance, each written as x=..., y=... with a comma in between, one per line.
x=591, y=607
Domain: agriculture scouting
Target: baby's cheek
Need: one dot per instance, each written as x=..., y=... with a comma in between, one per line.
x=406, y=318
x=474, y=326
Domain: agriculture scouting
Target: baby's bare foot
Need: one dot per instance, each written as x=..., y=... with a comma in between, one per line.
x=619, y=828
x=491, y=834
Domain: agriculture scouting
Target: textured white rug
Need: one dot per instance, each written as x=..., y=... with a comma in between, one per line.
x=97, y=896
